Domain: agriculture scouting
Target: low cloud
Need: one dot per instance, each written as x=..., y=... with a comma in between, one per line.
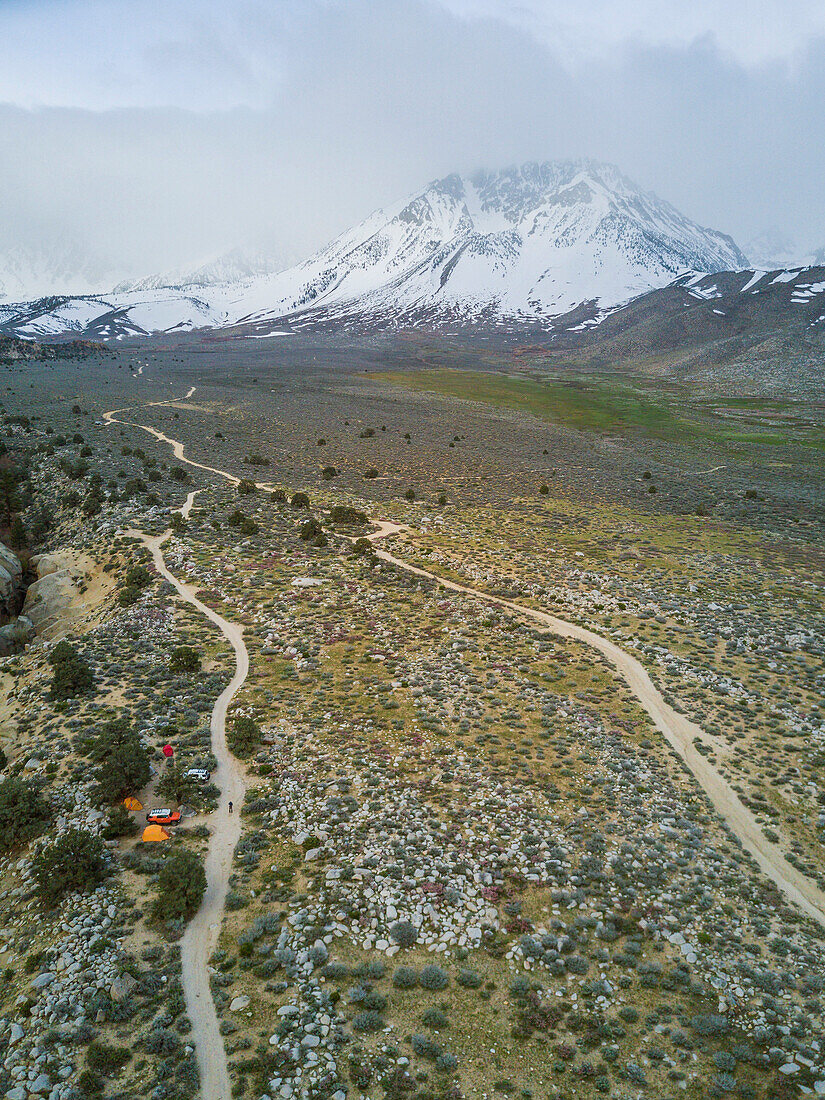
x=163, y=140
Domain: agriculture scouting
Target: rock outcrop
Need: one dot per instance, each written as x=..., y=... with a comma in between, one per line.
x=16, y=634
x=16, y=630
x=11, y=583
x=56, y=587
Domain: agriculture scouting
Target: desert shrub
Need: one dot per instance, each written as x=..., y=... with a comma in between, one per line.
x=278, y=495
x=433, y=977
x=178, y=473
x=138, y=576
x=256, y=460
x=710, y=1024
x=446, y=1062
x=576, y=964
x=123, y=767
x=244, y=735
x=184, y=658
x=106, y=1060
x=76, y=861
x=75, y=471
x=299, y=500
x=161, y=1040
x=346, y=514
x=469, y=979
x=335, y=971
x=318, y=954
x=71, y=675
x=128, y=596
x=329, y=472
x=119, y=823
x=176, y=786
x=404, y=933
x=247, y=486
x=370, y=474
x=181, y=885
x=362, y=547
x=368, y=1021
x=405, y=978
x=425, y=1047
x=311, y=530
x=23, y=813
x=724, y=1061
x=434, y=1018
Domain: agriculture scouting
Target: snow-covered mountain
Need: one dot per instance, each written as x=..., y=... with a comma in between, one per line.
x=773, y=250
x=526, y=243
x=236, y=266
x=32, y=271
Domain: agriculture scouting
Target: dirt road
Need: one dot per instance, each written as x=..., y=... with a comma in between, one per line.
x=678, y=731
x=201, y=936
x=202, y=933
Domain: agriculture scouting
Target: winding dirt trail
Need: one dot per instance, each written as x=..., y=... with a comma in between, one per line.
x=177, y=447
x=678, y=731
x=202, y=932
x=201, y=935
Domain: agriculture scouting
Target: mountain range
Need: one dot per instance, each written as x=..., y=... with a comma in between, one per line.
x=772, y=250
x=523, y=245
x=29, y=272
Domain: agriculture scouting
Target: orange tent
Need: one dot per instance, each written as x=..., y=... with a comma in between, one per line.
x=131, y=803
x=154, y=832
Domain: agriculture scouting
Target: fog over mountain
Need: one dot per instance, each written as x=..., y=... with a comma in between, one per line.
x=522, y=244
x=161, y=145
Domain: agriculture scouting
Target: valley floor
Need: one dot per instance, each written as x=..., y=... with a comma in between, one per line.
x=469, y=863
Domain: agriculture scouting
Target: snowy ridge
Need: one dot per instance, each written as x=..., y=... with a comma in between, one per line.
x=28, y=272
x=524, y=244
x=236, y=266
x=528, y=242
x=771, y=250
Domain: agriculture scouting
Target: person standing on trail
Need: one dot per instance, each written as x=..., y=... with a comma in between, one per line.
x=230, y=807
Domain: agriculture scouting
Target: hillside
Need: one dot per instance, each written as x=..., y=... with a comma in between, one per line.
x=759, y=326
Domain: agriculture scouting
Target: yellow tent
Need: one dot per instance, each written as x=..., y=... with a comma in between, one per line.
x=154, y=832
x=131, y=803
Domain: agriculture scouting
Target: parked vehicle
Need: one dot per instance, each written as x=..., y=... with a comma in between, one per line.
x=163, y=817
x=199, y=774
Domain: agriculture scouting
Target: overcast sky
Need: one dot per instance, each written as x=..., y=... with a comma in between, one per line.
x=155, y=133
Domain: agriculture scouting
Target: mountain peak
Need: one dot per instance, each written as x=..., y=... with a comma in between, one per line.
x=526, y=242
